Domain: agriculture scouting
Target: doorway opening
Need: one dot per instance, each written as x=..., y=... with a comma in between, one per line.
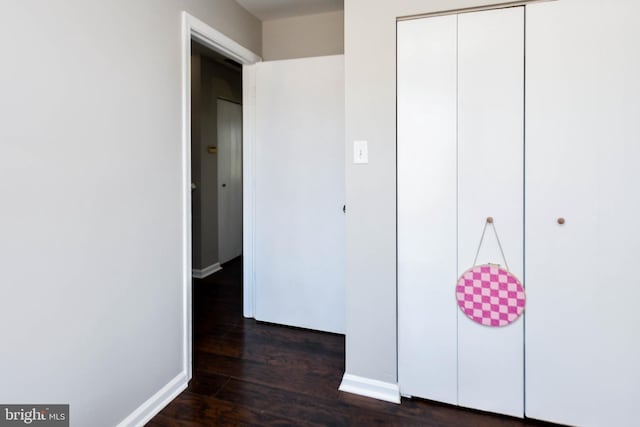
x=216, y=191
x=217, y=165
x=216, y=160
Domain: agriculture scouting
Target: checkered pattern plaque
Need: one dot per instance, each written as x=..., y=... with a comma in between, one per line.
x=490, y=295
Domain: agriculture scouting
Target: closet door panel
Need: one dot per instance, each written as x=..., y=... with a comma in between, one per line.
x=583, y=105
x=490, y=184
x=427, y=208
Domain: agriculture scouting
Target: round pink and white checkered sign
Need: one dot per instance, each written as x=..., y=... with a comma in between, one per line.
x=490, y=295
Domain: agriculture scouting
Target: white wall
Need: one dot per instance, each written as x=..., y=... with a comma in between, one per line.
x=370, y=67
x=303, y=36
x=90, y=184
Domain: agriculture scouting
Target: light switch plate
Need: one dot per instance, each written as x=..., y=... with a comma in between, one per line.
x=360, y=152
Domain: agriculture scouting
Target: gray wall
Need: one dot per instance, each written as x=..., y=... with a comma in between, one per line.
x=303, y=36
x=90, y=183
x=216, y=81
x=370, y=68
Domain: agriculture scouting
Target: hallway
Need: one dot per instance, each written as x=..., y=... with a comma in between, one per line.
x=251, y=373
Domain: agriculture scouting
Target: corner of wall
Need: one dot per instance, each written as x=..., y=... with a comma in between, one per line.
x=145, y=412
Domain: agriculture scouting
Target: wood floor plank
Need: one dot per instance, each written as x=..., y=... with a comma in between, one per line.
x=162, y=420
x=273, y=354
x=310, y=341
x=207, y=384
x=211, y=411
x=263, y=373
x=274, y=400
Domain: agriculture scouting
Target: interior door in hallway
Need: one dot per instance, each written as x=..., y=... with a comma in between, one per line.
x=229, y=180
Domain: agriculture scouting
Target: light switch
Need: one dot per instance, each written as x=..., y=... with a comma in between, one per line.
x=360, y=152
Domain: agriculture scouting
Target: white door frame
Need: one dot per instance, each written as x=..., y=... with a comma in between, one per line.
x=194, y=29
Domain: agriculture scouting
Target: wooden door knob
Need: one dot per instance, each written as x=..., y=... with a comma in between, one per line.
x=561, y=221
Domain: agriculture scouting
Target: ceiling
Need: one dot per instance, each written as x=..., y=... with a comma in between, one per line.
x=267, y=10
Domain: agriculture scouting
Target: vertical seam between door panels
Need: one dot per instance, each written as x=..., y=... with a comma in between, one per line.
x=457, y=201
x=524, y=208
x=397, y=239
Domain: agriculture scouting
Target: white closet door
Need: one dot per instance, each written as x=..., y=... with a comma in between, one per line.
x=300, y=190
x=427, y=348
x=490, y=183
x=583, y=152
x=229, y=180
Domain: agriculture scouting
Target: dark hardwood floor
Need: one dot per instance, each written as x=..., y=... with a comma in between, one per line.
x=256, y=374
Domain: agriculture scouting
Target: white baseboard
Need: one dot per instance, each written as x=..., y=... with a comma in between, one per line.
x=157, y=402
x=380, y=390
x=206, y=272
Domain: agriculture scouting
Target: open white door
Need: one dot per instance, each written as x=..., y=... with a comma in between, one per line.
x=299, y=194
x=229, y=180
